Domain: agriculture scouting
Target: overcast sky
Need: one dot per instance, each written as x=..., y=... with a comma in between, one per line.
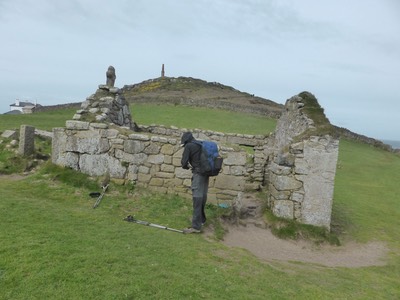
x=347, y=53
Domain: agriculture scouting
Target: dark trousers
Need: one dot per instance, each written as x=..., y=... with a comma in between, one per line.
x=199, y=194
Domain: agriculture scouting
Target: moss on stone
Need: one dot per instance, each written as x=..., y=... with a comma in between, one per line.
x=313, y=110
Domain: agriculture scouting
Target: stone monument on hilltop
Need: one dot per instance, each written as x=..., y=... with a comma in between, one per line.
x=110, y=74
x=162, y=71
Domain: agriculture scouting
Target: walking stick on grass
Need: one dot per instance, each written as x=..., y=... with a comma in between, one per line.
x=100, y=197
x=132, y=219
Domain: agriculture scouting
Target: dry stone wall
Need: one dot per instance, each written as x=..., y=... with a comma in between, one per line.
x=152, y=158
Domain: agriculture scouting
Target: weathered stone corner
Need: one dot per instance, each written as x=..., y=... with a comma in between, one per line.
x=302, y=170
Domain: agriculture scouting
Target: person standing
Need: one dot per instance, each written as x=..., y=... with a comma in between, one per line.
x=191, y=158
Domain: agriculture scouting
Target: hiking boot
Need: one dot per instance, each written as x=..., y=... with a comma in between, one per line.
x=191, y=230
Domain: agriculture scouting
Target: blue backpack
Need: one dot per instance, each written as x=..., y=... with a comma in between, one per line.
x=210, y=160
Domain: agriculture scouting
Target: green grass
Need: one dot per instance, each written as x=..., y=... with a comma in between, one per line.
x=202, y=118
x=11, y=162
x=146, y=114
x=367, y=192
x=41, y=120
x=290, y=229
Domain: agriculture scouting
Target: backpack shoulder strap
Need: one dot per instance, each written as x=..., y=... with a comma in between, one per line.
x=197, y=143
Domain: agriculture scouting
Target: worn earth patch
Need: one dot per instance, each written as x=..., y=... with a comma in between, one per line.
x=263, y=244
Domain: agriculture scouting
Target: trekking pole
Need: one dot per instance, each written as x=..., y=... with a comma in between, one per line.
x=132, y=219
x=100, y=197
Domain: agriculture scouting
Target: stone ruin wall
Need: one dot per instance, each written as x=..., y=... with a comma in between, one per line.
x=301, y=174
x=152, y=157
x=298, y=175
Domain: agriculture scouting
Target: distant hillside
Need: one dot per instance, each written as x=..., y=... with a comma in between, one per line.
x=196, y=92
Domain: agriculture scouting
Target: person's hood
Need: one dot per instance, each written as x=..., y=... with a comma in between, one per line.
x=186, y=138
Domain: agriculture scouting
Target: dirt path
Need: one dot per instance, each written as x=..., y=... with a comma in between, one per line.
x=263, y=244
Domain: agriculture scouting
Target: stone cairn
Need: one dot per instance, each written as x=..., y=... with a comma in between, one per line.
x=107, y=105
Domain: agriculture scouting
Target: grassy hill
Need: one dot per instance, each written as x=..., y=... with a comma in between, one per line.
x=196, y=92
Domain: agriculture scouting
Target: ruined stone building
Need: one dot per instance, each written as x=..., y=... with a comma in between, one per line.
x=295, y=165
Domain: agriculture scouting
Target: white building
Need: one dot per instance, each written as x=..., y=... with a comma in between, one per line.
x=23, y=107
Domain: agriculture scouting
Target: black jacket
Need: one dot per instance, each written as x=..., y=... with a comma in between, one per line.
x=191, y=155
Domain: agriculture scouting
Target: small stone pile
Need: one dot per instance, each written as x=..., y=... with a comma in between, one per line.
x=107, y=105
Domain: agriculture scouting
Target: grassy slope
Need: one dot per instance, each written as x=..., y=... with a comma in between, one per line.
x=54, y=245
x=203, y=118
x=42, y=120
x=181, y=116
x=367, y=192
